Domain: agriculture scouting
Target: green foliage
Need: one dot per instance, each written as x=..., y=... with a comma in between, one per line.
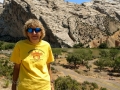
x=6, y=45
x=100, y=63
x=77, y=71
x=66, y=83
x=108, y=58
x=79, y=45
x=74, y=58
x=116, y=64
x=64, y=49
x=6, y=68
x=103, y=45
x=104, y=53
x=113, y=53
x=79, y=56
x=84, y=54
x=54, y=70
x=88, y=55
x=88, y=66
x=103, y=88
x=89, y=86
x=86, y=82
x=56, y=52
x=94, y=85
x=1, y=43
x=6, y=84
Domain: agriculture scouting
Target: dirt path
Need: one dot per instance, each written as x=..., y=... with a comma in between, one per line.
x=109, y=84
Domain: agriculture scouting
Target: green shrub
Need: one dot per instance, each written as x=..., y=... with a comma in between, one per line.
x=103, y=88
x=91, y=88
x=6, y=46
x=94, y=85
x=6, y=84
x=56, y=52
x=6, y=68
x=79, y=45
x=66, y=83
x=52, y=68
x=1, y=43
x=86, y=82
x=77, y=71
x=103, y=45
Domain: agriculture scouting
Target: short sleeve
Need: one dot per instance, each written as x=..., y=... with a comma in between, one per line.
x=50, y=56
x=15, y=56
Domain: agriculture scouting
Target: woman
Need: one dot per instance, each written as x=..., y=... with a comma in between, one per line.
x=32, y=58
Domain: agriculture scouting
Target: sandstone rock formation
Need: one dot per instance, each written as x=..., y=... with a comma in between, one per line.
x=66, y=23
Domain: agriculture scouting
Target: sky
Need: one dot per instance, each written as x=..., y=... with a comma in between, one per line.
x=1, y=1
x=78, y=1
x=74, y=1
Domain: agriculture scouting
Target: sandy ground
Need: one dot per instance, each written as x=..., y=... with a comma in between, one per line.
x=84, y=75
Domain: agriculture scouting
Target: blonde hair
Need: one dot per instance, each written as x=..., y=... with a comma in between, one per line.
x=33, y=23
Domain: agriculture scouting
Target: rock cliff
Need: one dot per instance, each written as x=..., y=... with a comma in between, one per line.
x=65, y=23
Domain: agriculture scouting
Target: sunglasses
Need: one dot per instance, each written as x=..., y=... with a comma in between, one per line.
x=31, y=30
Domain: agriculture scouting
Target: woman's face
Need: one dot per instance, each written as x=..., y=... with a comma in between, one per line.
x=34, y=34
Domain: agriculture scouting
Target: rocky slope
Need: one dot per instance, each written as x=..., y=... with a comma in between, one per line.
x=66, y=23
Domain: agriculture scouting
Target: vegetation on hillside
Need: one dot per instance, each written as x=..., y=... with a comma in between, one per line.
x=6, y=45
x=106, y=58
x=67, y=83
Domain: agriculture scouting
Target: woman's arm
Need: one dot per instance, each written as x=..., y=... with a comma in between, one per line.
x=50, y=73
x=15, y=76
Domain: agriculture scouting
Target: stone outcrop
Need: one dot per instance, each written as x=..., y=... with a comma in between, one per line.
x=65, y=23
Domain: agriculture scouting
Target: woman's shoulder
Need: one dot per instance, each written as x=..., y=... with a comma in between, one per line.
x=45, y=42
x=21, y=41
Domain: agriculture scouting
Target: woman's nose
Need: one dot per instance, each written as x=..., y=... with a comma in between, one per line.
x=33, y=32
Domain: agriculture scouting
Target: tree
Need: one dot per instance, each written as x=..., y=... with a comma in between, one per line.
x=100, y=63
x=85, y=56
x=56, y=52
x=74, y=58
x=88, y=55
x=113, y=53
x=116, y=64
x=104, y=53
x=88, y=66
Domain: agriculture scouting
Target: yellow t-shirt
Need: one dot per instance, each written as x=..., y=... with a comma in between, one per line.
x=33, y=59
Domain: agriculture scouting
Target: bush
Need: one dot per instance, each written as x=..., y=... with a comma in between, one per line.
x=52, y=68
x=89, y=86
x=6, y=84
x=103, y=45
x=6, y=68
x=77, y=71
x=95, y=85
x=86, y=82
x=103, y=88
x=66, y=83
x=56, y=52
x=1, y=43
x=78, y=45
x=6, y=46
